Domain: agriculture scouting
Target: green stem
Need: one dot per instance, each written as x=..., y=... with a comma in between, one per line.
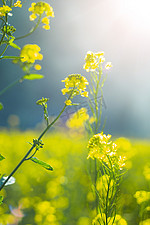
x=31, y=31
x=95, y=186
x=4, y=51
x=2, y=38
x=10, y=85
x=33, y=146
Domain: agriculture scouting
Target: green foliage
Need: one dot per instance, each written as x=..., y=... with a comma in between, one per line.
x=41, y=163
x=68, y=189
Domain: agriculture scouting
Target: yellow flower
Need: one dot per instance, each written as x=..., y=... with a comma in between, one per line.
x=145, y=222
x=4, y=9
x=92, y=60
x=75, y=84
x=30, y=53
x=110, y=221
x=142, y=196
x=99, y=146
x=46, y=27
x=41, y=8
x=108, y=65
x=68, y=102
x=45, y=20
x=37, y=67
x=32, y=17
x=18, y=4
x=146, y=172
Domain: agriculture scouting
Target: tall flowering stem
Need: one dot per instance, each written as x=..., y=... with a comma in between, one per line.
x=106, y=165
x=94, y=63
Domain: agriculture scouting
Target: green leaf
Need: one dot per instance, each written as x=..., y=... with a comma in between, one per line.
x=1, y=157
x=14, y=45
x=1, y=106
x=41, y=163
x=1, y=200
x=33, y=76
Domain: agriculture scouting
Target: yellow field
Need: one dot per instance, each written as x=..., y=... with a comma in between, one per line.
x=64, y=196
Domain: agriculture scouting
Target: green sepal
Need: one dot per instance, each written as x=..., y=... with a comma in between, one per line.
x=1, y=157
x=41, y=163
x=1, y=200
x=33, y=76
x=1, y=106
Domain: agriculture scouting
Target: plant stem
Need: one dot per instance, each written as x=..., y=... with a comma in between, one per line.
x=33, y=146
x=10, y=85
x=4, y=51
x=31, y=31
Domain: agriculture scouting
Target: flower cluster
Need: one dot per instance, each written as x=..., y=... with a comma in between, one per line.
x=39, y=9
x=142, y=196
x=30, y=53
x=18, y=4
x=75, y=84
x=93, y=60
x=4, y=9
x=101, y=148
x=101, y=219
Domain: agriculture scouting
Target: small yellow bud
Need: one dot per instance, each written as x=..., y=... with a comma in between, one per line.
x=37, y=67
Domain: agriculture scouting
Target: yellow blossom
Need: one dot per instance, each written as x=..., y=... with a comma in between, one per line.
x=37, y=67
x=142, y=196
x=4, y=9
x=39, y=9
x=101, y=219
x=92, y=60
x=30, y=53
x=68, y=102
x=18, y=4
x=146, y=172
x=75, y=84
x=45, y=20
x=108, y=65
x=145, y=222
x=46, y=27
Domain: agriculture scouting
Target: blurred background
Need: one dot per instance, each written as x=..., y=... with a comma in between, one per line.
x=119, y=28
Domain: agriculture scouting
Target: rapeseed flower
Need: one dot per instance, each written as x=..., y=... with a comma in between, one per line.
x=30, y=53
x=142, y=196
x=75, y=84
x=37, y=67
x=18, y=4
x=108, y=65
x=145, y=222
x=101, y=219
x=4, y=10
x=40, y=8
x=146, y=172
x=92, y=60
x=101, y=148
